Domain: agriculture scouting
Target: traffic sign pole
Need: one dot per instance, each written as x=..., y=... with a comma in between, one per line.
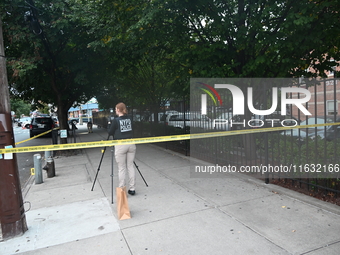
x=12, y=212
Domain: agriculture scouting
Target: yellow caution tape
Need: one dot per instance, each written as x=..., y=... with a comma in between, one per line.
x=156, y=139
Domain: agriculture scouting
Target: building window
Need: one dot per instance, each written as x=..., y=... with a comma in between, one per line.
x=330, y=107
x=302, y=80
x=330, y=73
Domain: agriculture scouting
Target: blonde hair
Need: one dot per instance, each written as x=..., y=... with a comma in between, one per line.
x=122, y=108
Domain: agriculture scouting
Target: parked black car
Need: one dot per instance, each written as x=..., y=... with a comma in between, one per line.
x=40, y=125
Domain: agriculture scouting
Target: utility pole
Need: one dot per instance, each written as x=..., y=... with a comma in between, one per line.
x=12, y=212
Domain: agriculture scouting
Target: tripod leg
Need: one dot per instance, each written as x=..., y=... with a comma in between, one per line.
x=140, y=174
x=99, y=165
x=98, y=169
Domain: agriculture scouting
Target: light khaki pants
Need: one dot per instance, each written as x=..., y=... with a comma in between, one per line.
x=125, y=155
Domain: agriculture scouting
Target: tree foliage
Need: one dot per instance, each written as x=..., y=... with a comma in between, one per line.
x=243, y=38
x=143, y=71
x=20, y=107
x=144, y=52
x=210, y=38
x=49, y=60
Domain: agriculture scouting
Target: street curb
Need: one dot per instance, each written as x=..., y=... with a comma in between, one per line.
x=27, y=186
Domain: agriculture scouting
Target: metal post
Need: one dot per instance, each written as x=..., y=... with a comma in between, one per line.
x=37, y=169
x=50, y=167
x=80, y=116
x=266, y=180
x=55, y=136
x=74, y=131
x=47, y=155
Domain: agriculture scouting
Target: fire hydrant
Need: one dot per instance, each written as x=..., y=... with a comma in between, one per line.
x=49, y=167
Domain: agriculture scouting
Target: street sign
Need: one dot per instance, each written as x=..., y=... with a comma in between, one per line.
x=63, y=133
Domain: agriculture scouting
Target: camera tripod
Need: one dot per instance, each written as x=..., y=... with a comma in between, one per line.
x=112, y=163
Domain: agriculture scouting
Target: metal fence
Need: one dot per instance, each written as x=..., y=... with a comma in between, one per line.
x=302, y=150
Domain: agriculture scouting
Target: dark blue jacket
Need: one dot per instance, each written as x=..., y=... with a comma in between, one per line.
x=121, y=128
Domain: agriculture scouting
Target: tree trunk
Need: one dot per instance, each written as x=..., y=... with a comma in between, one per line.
x=63, y=119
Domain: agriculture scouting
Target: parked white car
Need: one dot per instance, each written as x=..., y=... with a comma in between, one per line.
x=227, y=121
x=189, y=119
x=162, y=116
x=24, y=122
x=222, y=122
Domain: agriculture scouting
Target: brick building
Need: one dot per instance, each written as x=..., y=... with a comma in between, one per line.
x=325, y=98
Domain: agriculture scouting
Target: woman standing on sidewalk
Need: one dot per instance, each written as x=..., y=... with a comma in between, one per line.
x=121, y=128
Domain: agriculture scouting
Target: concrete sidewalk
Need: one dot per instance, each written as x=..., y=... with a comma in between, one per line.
x=176, y=214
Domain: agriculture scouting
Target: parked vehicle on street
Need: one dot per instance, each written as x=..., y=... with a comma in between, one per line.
x=329, y=132
x=313, y=120
x=227, y=121
x=73, y=120
x=24, y=122
x=189, y=119
x=40, y=125
x=303, y=133
x=223, y=122
x=162, y=116
x=56, y=120
x=85, y=118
